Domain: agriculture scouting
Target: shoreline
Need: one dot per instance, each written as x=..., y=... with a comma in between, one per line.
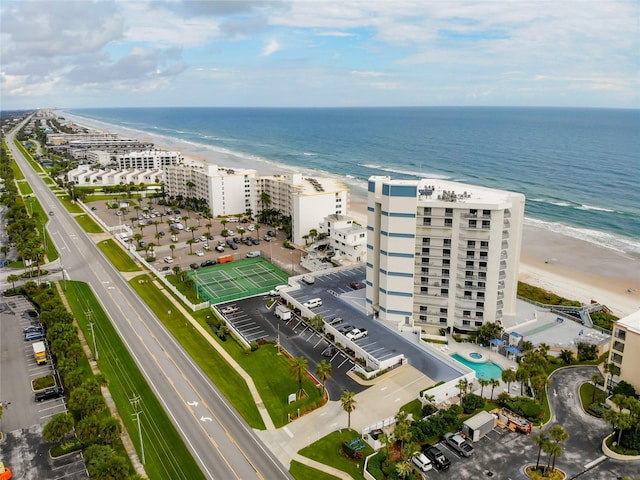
x=565, y=265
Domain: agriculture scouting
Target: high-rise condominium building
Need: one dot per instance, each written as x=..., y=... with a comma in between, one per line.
x=442, y=254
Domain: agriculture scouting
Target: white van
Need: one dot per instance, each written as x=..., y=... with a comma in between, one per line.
x=313, y=303
x=309, y=279
x=276, y=290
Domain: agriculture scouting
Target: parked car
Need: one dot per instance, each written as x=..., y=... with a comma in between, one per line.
x=357, y=334
x=459, y=444
x=220, y=248
x=267, y=238
x=438, y=459
x=253, y=254
x=208, y=263
x=422, y=462
x=313, y=303
x=168, y=259
x=230, y=309
x=203, y=238
x=49, y=393
x=355, y=285
x=234, y=246
x=330, y=351
x=345, y=328
x=194, y=266
x=199, y=253
x=206, y=246
x=255, y=241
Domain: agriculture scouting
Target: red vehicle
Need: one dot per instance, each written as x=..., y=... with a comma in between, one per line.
x=356, y=285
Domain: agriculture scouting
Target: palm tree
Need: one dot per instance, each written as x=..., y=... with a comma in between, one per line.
x=158, y=237
x=13, y=278
x=483, y=383
x=559, y=435
x=553, y=450
x=190, y=242
x=463, y=385
x=403, y=469
x=297, y=371
x=566, y=356
x=348, y=402
x=508, y=377
x=402, y=431
x=172, y=247
x=494, y=382
x=595, y=379
x=539, y=439
x=241, y=231
x=5, y=249
x=323, y=370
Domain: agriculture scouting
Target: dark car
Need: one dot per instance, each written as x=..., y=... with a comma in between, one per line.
x=161, y=233
x=356, y=285
x=234, y=246
x=345, y=328
x=271, y=233
x=438, y=459
x=34, y=328
x=49, y=393
x=255, y=241
x=330, y=351
x=208, y=263
x=142, y=244
x=194, y=266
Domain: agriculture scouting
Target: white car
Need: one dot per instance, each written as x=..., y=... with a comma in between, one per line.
x=253, y=254
x=230, y=309
x=168, y=259
x=206, y=246
x=199, y=253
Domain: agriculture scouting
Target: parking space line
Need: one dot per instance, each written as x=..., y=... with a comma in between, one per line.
x=250, y=329
x=311, y=336
x=345, y=361
x=319, y=341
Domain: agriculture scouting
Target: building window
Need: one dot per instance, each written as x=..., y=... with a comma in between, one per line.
x=443, y=320
x=471, y=243
x=444, y=291
x=472, y=224
x=448, y=222
x=486, y=213
x=443, y=310
x=486, y=224
x=466, y=313
x=478, y=324
x=466, y=322
x=446, y=262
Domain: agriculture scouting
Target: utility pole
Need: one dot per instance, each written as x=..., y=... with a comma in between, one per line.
x=89, y=314
x=135, y=403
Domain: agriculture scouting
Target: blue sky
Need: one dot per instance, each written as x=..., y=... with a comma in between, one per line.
x=116, y=53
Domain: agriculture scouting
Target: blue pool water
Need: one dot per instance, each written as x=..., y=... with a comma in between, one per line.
x=475, y=355
x=486, y=371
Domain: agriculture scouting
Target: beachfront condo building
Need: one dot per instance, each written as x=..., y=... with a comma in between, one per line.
x=148, y=159
x=307, y=200
x=228, y=191
x=441, y=254
x=624, y=351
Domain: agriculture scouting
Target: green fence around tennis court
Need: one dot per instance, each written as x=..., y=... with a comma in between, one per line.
x=234, y=280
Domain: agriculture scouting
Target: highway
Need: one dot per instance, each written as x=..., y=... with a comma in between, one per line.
x=222, y=443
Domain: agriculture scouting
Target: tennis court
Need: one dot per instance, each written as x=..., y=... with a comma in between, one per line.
x=233, y=280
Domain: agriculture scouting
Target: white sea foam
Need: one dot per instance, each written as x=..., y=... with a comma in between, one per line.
x=415, y=173
x=618, y=243
x=598, y=209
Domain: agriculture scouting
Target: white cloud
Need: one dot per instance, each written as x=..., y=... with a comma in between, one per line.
x=272, y=47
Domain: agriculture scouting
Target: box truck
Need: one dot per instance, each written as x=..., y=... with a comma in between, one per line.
x=283, y=313
x=225, y=258
x=40, y=352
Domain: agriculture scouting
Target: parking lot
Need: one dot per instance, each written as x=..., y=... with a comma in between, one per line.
x=24, y=451
x=254, y=321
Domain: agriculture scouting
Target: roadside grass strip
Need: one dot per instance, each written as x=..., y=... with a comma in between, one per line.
x=117, y=256
x=88, y=224
x=228, y=381
x=300, y=471
x=166, y=455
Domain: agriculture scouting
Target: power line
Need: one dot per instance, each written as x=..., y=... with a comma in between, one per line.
x=135, y=403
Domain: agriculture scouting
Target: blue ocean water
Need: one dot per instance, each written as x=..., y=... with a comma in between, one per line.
x=579, y=168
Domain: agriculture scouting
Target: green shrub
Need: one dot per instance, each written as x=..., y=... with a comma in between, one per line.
x=596, y=410
x=524, y=406
x=64, y=448
x=472, y=402
x=540, y=295
x=350, y=451
x=43, y=382
x=254, y=346
x=374, y=466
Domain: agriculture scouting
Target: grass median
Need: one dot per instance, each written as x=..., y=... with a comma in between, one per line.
x=117, y=256
x=88, y=224
x=166, y=455
x=230, y=383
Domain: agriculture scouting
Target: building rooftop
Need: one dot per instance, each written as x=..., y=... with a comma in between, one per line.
x=631, y=322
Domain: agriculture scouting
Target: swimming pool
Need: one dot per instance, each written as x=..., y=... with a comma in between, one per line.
x=486, y=370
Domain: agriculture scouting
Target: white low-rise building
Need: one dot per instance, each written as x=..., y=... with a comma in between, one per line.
x=86, y=175
x=148, y=159
x=345, y=238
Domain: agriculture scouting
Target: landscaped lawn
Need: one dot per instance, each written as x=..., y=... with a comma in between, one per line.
x=25, y=188
x=300, y=471
x=327, y=451
x=587, y=395
x=230, y=383
x=117, y=256
x=72, y=207
x=164, y=449
x=88, y=224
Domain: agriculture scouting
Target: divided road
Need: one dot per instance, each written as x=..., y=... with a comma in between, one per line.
x=220, y=440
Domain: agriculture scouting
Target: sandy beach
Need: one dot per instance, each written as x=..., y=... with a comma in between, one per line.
x=562, y=264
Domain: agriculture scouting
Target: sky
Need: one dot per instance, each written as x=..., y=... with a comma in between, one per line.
x=311, y=53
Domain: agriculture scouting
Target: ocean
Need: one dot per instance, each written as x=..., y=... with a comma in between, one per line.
x=579, y=168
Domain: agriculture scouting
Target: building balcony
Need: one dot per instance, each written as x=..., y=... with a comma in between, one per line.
x=620, y=334
x=505, y=234
x=616, y=358
x=507, y=214
x=468, y=287
x=618, y=346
